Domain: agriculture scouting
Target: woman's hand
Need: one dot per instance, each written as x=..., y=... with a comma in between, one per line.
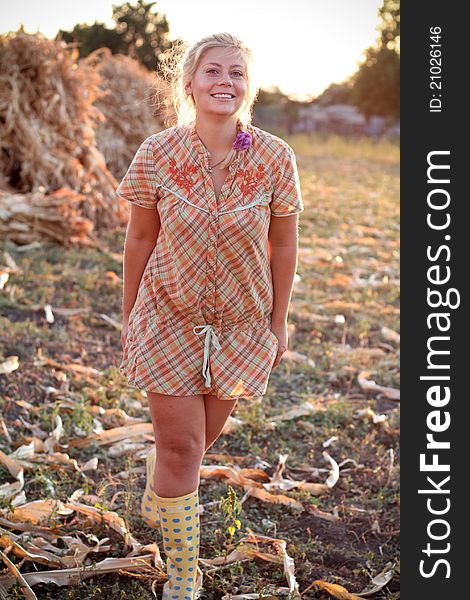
x=280, y=331
x=125, y=327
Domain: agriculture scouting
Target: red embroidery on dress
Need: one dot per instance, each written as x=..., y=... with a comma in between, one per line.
x=251, y=181
x=183, y=175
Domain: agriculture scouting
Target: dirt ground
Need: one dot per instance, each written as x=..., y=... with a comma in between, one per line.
x=344, y=324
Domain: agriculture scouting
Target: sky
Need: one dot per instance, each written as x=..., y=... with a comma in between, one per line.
x=300, y=46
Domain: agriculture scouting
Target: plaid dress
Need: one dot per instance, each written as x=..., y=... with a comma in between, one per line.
x=201, y=320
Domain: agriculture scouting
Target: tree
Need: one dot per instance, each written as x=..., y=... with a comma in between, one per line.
x=336, y=93
x=139, y=33
x=390, y=25
x=145, y=32
x=376, y=88
x=90, y=37
x=376, y=85
x=271, y=95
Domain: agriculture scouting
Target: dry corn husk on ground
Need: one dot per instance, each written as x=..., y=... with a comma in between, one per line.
x=33, y=217
x=50, y=114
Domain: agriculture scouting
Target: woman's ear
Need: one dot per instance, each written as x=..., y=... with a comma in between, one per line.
x=188, y=88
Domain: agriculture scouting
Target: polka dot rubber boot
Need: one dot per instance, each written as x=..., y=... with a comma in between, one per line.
x=148, y=505
x=179, y=520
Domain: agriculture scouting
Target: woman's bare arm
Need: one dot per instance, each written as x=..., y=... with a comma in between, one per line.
x=283, y=254
x=141, y=237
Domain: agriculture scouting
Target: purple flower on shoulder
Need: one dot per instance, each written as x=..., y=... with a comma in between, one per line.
x=242, y=141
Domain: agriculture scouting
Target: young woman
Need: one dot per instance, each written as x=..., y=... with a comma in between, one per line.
x=209, y=262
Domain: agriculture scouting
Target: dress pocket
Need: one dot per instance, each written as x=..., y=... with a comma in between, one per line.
x=274, y=337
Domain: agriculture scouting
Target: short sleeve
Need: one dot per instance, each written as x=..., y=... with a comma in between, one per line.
x=287, y=198
x=139, y=184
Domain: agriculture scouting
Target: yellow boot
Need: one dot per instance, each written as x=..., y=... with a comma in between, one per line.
x=148, y=505
x=149, y=508
x=179, y=520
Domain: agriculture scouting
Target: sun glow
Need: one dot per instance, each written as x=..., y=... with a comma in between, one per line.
x=300, y=46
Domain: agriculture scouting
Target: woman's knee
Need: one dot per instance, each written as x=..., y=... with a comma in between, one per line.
x=180, y=455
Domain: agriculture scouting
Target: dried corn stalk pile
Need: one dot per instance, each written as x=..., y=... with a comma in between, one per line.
x=129, y=105
x=49, y=113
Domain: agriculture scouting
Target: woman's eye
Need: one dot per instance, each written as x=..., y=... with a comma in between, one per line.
x=234, y=73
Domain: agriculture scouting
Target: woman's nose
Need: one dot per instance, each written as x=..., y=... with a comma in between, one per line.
x=226, y=80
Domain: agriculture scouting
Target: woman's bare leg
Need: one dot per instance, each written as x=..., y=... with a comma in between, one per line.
x=179, y=424
x=217, y=413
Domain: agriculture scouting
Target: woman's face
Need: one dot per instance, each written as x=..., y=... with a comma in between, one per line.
x=219, y=85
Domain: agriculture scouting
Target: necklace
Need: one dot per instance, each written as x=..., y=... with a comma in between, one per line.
x=212, y=166
x=242, y=142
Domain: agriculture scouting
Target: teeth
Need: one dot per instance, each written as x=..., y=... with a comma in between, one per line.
x=222, y=95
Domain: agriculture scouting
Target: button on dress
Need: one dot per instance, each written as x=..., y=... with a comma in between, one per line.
x=201, y=322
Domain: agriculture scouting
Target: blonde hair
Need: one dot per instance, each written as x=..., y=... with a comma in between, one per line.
x=178, y=66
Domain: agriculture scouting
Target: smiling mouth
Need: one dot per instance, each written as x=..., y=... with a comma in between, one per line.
x=223, y=96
